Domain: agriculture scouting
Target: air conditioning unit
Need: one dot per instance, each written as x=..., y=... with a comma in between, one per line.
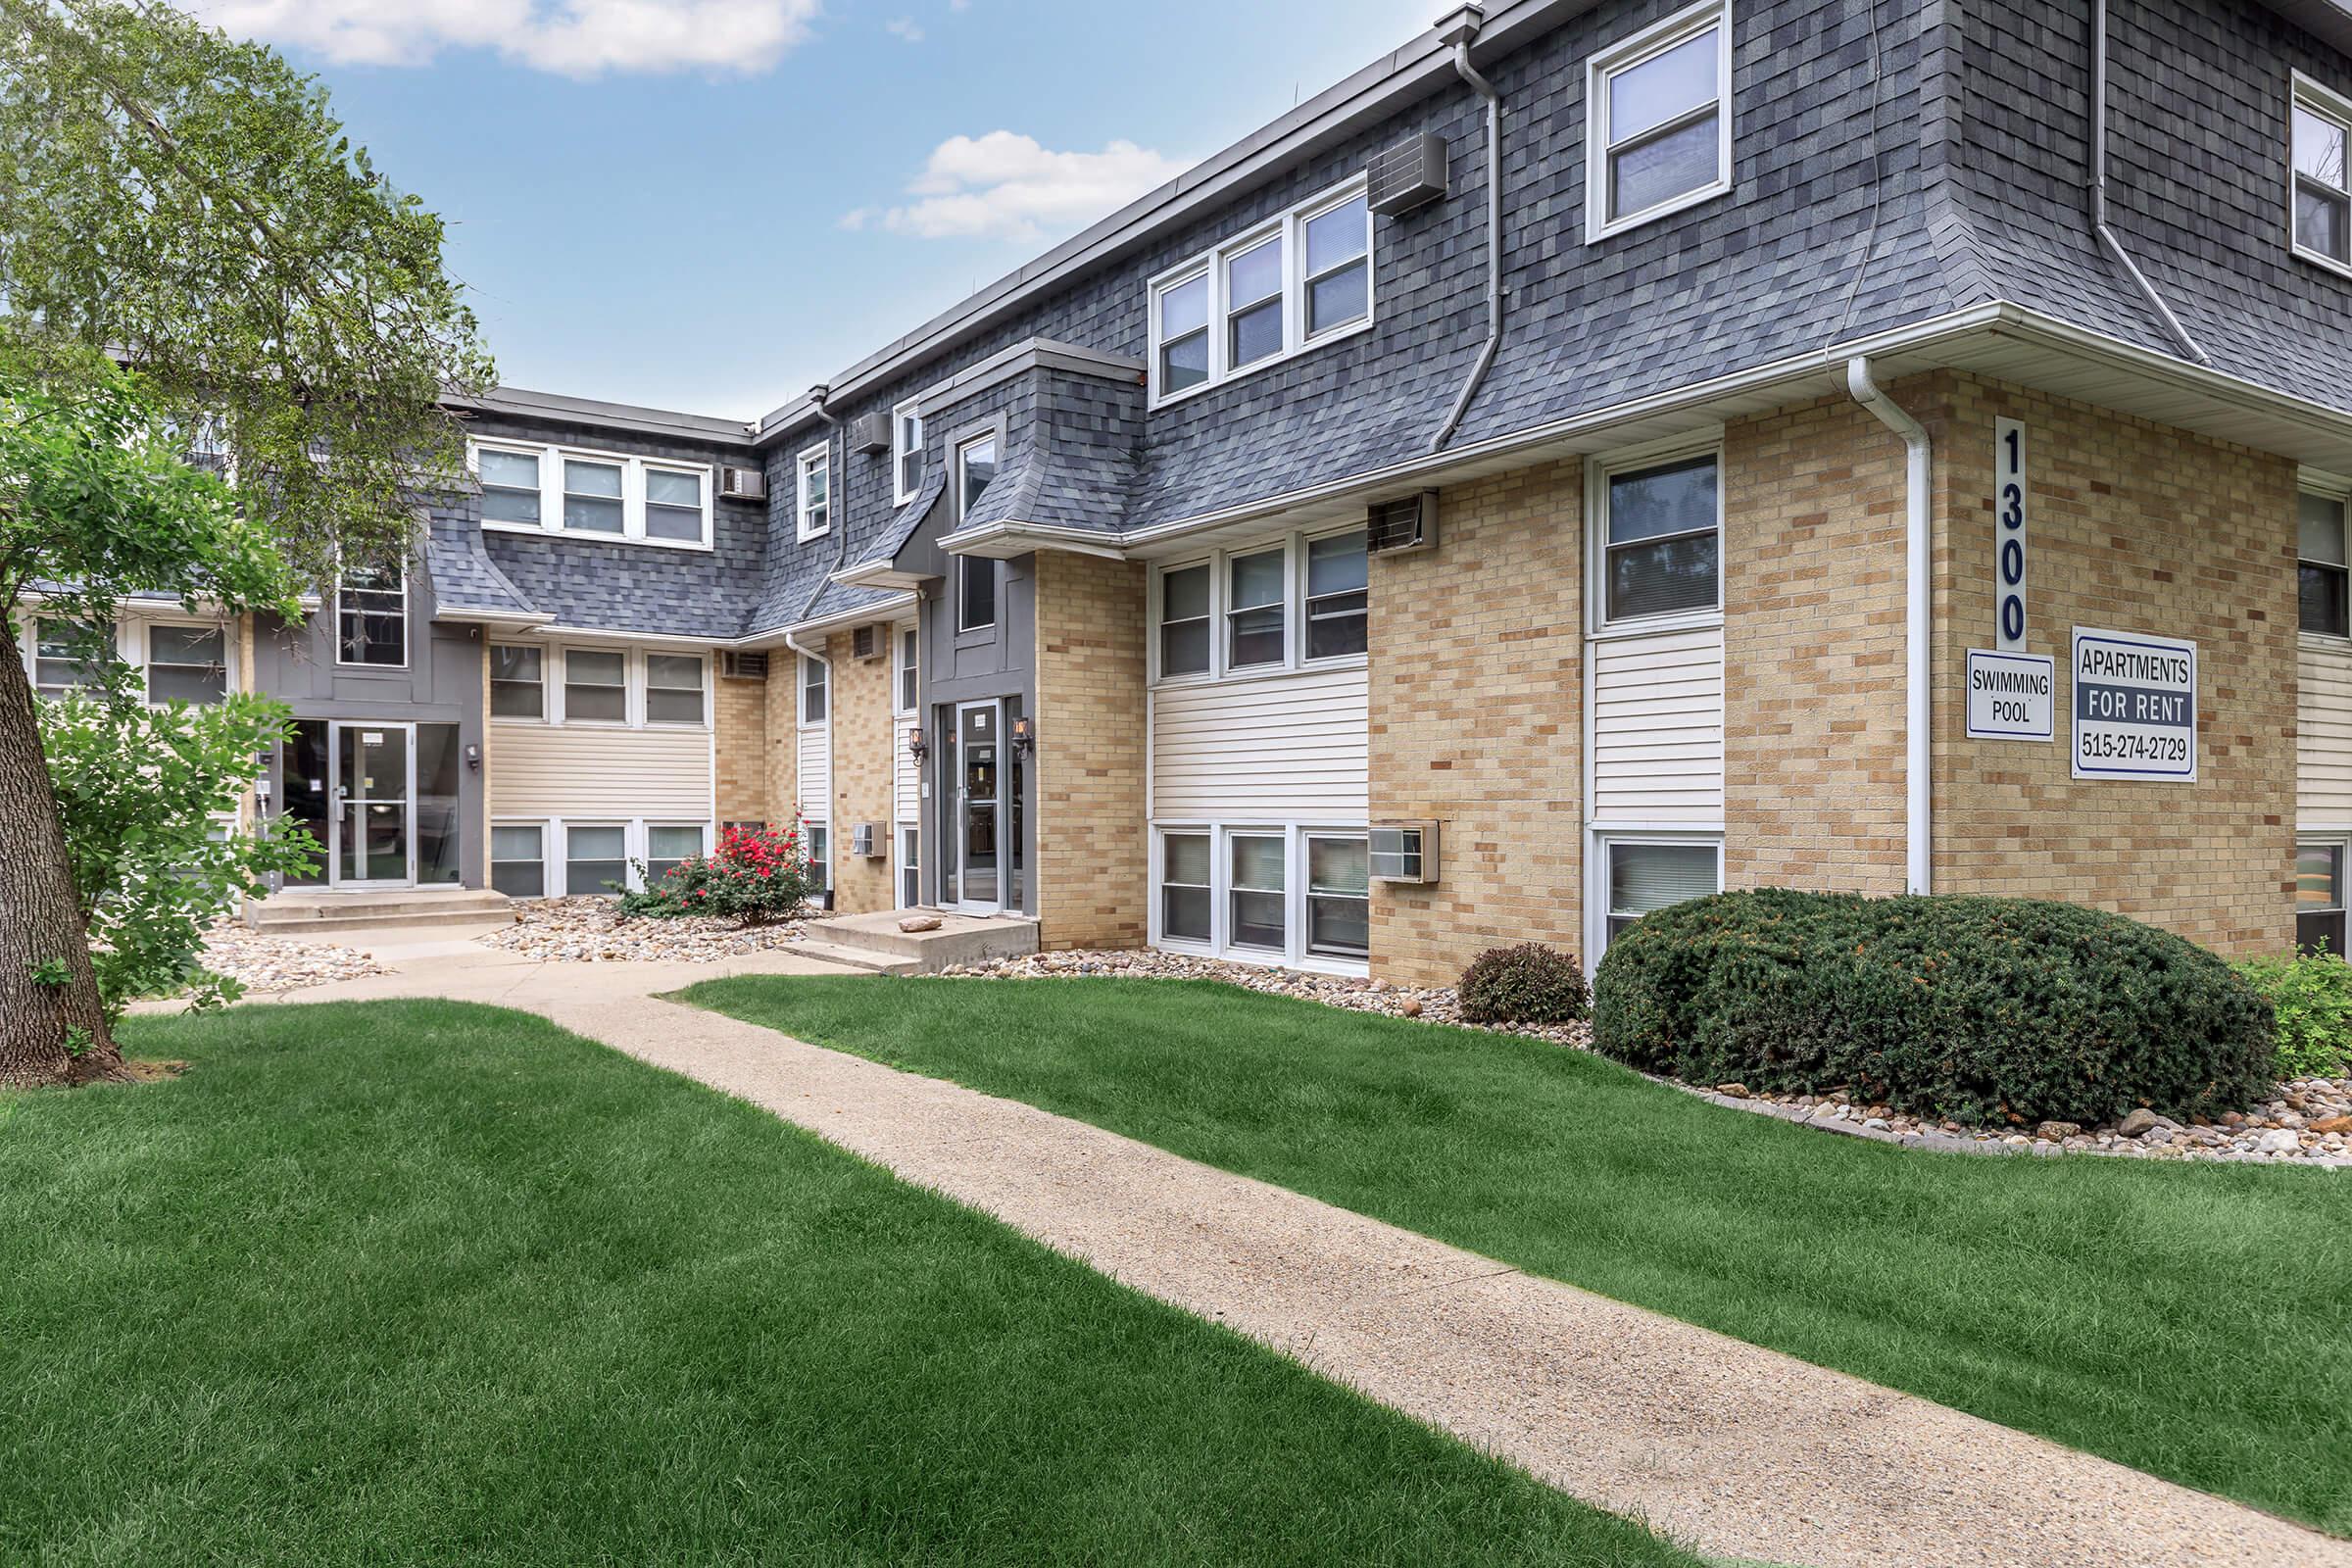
x=1403, y=851
x=870, y=432
x=737, y=483
x=866, y=644
x=743, y=666
x=1407, y=523
x=1409, y=175
x=868, y=842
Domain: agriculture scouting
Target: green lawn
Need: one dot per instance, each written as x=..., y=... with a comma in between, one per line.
x=2193, y=1321
x=411, y=1283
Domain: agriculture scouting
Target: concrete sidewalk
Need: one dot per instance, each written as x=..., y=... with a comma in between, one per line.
x=1729, y=1449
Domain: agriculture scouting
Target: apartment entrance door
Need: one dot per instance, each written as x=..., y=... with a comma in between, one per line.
x=374, y=823
x=979, y=838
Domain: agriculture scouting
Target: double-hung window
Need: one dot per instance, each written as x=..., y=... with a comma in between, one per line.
x=666, y=848
x=1661, y=532
x=976, y=575
x=2322, y=574
x=518, y=859
x=814, y=493
x=593, y=497
x=1187, y=869
x=1338, y=596
x=673, y=689
x=2320, y=898
x=1259, y=915
x=1253, y=609
x=601, y=495
x=1659, y=131
x=1253, y=303
x=1339, y=897
x=66, y=656
x=596, y=686
x=814, y=691
x=2320, y=184
x=187, y=663
x=1648, y=876
x=906, y=452
x=1183, y=336
x=1184, y=621
x=371, y=616
x=596, y=859
x=1338, y=266
x=510, y=486
x=910, y=683
x=674, y=505
x=517, y=682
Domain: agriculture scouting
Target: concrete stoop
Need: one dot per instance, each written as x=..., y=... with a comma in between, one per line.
x=876, y=941
x=306, y=911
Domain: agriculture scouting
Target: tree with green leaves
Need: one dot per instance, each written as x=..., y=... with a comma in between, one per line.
x=184, y=205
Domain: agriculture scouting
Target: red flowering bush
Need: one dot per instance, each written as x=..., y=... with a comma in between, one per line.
x=757, y=876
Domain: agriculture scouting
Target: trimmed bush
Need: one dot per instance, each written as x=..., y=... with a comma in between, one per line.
x=1526, y=984
x=2312, y=996
x=757, y=876
x=2000, y=1010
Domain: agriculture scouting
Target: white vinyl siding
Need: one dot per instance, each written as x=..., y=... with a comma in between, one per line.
x=1285, y=748
x=608, y=774
x=2324, y=737
x=816, y=773
x=906, y=780
x=1657, y=728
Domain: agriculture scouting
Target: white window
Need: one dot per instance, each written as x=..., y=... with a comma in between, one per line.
x=1659, y=121
x=2319, y=530
x=1301, y=278
x=909, y=672
x=1655, y=874
x=1339, y=895
x=371, y=617
x=820, y=853
x=1659, y=529
x=510, y=486
x=518, y=859
x=601, y=495
x=1233, y=614
x=1187, y=887
x=596, y=686
x=906, y=452
x=594, y=497
x=1338, y=596
x=673, y=689
x=1184, y=621
x=813, y=691
x=596, y=859
x=1259, y=906
x=816, y=491
x=668, y=847
x=187, y=663
x=911, y=869
x=975, y=470
x=2320, y=898
x=2318, y=183
x=517, y=682
x=676, y=509
x=66, y=656
x=1253, y=609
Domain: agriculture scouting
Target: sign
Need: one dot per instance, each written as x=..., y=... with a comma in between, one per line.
x=2012, y=499
x=2011, y=697
x=2136, y=706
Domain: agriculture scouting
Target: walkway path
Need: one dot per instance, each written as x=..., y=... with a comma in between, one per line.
x=1731, y=1450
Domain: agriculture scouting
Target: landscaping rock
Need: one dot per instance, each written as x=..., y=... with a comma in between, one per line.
x=2278, y=1141
x=2057, y=1132
x=2137, y=1123
x=919, y=922
x=2332, y=1124
x=1735, y=1091
x=279, y=963
x=591, y=930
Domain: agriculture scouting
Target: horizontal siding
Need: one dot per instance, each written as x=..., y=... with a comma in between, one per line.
x=907, y=784
x=608, y=774
x=1286, y=748
x=1657, y=728
x=816, y=774
x=2324, y=738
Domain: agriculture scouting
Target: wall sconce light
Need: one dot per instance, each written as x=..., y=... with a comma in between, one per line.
x=1024, y=740
x=474, y=759
x=916, y=747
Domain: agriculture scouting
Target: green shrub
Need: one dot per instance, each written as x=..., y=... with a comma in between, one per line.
x=2312, y=998
x=1526, y=984
x=1978, y=1010
x=757, y=876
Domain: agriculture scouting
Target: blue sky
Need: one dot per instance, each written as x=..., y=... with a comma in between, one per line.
x=711, y=205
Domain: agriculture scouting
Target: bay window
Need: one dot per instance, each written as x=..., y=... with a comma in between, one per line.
x=1661, y=529
x=1659, y=112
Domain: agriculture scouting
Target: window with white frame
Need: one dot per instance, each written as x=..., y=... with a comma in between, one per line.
x=596, y=686
x=816, y=694
x=1659, y=113
x=910, y=872
x=2320, y=898
x=1648, y=875
x=2320, y=568
x=594, y=497
x=1255, y=595
x=517, y=682
x=909, y=672
x=510, y=486
x=371, y=616
x=518, y=859
x=975, y=470
x=675, y=689
x=668, y=846
x=906, y=452
x=1184, y=621
x=1660, y=531
x=66, y=656
x=187, y=663
x=2320, y=181
x=1339, y=895
x=1301, y=278
x=1338, y=595
x=814, y=493
x=820, y=853
x=603, y=495
x=1257, y=913
x=1187, y=886
x=674, y=510
x=596, y=857
x=1319, y=583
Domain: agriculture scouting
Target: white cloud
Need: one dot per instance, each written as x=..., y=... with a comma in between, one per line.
x=574, y=37
x=1004, y=185
x=905, y=28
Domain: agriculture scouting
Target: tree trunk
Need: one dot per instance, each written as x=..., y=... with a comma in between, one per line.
x=49, y=1033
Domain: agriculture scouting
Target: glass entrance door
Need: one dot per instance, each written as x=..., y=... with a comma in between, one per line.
x=979, y=807
x=373, y=825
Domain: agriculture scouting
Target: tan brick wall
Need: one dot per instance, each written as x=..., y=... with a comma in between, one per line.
x=860, y=713
x=780, y=729
x=739, y=710
x=2134, y=527
x=1092, y=871
x=1813, y=651
x=1476, y=720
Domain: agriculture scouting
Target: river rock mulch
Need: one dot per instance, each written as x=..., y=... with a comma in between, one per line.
x=590, y=930
x=277, y=963
x=2307, y=1120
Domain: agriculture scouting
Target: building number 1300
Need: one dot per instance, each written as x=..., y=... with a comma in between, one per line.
x=2013, y=503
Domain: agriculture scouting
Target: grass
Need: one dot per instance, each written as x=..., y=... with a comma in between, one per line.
x=2191, y=1321
x=421, y=1282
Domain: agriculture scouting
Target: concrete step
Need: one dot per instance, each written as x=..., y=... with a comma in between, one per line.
x=383, y=923
x=855, y=957
x=299, y=911
x=959, y=939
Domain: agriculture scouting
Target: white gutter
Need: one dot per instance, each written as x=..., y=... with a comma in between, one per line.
x=2098, y=188
x=1917, y=469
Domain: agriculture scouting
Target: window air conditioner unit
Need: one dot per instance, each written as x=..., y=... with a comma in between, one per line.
x=743, y=666
x=866, y=644
x=867, y=840
x=870, y=433
x=1403, y=851
x=1409, y=523
x=1409, y=175
x=737, y=483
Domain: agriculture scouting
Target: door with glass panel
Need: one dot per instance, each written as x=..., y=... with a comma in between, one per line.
x=979, y=807
x=372, y=823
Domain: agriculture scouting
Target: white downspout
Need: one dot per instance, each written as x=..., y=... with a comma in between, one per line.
x=2098, y=190
x=1918, y=467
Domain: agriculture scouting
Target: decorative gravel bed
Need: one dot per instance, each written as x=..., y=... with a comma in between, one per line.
x=274, y=963
x=2308, y=1119
x=590, y=930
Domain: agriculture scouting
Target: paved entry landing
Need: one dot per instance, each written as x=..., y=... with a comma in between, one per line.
x=876, y=942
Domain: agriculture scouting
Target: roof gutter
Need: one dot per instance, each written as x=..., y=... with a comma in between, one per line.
x=2098, y=188
x=1918, y=628
x=1459, y=30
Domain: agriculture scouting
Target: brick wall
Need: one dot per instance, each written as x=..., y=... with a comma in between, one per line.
x=860, y=712
x=1476, y=720
x=1813, y=651
x=740, y=715
x=781, y=730
x=1092, y=869
x=2134, y=527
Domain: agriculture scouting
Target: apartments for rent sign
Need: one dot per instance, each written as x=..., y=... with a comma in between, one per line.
x=2136, y=706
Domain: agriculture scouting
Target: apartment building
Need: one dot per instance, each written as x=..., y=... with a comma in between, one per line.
x=1596, y=455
